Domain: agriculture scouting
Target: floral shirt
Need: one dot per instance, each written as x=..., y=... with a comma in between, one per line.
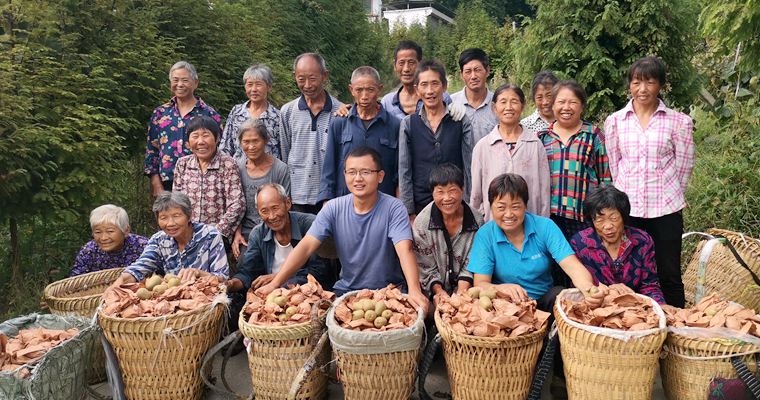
x=91, y=258
x=239, y=114
x=167, y=140
x=534, y=122
x=217, y=195
x=634, y=266
x=204, y=251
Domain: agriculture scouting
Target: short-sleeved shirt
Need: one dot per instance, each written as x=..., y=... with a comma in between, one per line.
x=278, y=173
x=482, y=118
x=365, y=242
x=492, y=254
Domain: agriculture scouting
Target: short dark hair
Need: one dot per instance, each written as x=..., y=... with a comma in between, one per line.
x=509, y=86
x=508, y=184
x=430, y=65
x=204, y=122
x=543, y=78
x=574, y=87
x=445, y=174
x=362, y=151
x=606, y=196
x=648, y=68
x=408, y=45
x=472, y=54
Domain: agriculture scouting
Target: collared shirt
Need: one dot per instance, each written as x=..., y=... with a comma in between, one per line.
x=492, y=254
x=167, y=139
x=304, y=143
x=278, y=173
x=230, y=142
x=204, y=251
x=482, y=118
x=534, y=122
x=216, y=195
x=575, y=169
x=634, y=265
x=91, y=258
x=258, y=259
x=653, y=165
x=392, y=102
x=441, y=258
x=348, y=133
x=492, y=158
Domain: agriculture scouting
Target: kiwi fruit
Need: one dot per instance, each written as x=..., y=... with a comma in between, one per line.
x=173, y=281
x=144, y=294
x=290, y=311
x=283, y=317
x=489, y=292
x=380, y=322
x=379, y=307
x=387, y=314
x=485, y=302
x=370, y=315
x=281, y=301
x=473, y=292
x=160, y=289
x=357, y=314
x=153, y=281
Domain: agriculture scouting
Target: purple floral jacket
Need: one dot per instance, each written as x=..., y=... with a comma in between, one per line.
x=91, y=258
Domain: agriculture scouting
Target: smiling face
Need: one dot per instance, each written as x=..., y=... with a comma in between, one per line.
x=365, y=91
x=430, y=88
x=509, y=214
x=508, y=107
x=174, y=222
x=202, y=143
x=644, y=91
x=273, y=209
x=256, y=90
x=475, y=75
x=108, y=237
x=405, y=65
x=182, y=84
x=567, y=108
x=609, y=225
x=543, y=99
x=252, y=144
x=309, y=77
x=448, y=198
x=362, y=176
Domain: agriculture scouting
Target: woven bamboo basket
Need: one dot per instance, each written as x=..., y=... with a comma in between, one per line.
x=510, y=364
x=690, y=363
x=723, y=273
x=160, y=357
x=80, y=296
x=277, y=354
x=606, y=368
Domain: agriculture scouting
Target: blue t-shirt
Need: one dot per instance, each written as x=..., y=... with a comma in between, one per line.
x=365, y=242
x=492, y=254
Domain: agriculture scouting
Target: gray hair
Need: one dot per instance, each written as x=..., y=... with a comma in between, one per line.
x=276, y=186
x=259, y=72
x=184, y=65
x=316, y=56
x=253, y=124
x=365, y=71
x=167, y=200
x=110, y=214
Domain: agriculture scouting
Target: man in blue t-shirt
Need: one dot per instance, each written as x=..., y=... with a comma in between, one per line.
x=371, y=231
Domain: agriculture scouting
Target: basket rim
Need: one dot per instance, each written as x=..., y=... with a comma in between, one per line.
x=347, y=295
x=175, y=315
x=714, y=340
x=486, y=339
x=278, y=328
x=49, y=288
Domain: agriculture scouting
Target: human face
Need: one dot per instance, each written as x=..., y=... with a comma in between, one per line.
x=182, y=84
x=362, y=176
x=475, y=75
x=543, y=99
x=644, y=91
x=273, y=209
x=175, y=223
x=405, y=65
x=202, y=143
x=256, y=90
x=108, y=237
x=508, y=108
x=310, y=78
x=365, y=91
x=252, y=144
x=430, y=89
x=448, y=198
x=609, y=225
x=567, y=108
x=509, y=214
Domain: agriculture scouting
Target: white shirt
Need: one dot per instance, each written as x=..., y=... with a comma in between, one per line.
x=280, y=254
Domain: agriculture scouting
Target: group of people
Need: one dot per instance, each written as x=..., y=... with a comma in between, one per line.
x=429, y=191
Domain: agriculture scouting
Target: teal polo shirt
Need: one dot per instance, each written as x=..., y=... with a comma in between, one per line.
x=492, y=254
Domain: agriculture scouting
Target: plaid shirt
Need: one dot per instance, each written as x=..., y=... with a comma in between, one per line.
x=653, y=165
x=575, y=169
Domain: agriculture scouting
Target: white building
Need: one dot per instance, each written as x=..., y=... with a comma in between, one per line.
x=408, y=12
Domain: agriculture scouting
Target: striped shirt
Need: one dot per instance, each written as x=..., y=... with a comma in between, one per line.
x=482, y=118
x=303, y=145
x=230, y=143
x=653, y=165
x=575, y=169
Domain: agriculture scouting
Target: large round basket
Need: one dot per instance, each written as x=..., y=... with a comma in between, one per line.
x=483, y=368
x=608, y=364
x=80, y=296
x=277, y=354
x=690, y=364
x=160, y=357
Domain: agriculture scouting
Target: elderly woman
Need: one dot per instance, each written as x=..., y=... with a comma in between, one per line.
x=210, y=178
x=257, y=81
x=443, y=233
x=651, y=153
x=182, y=247
x=257, y=169
x=541, y=90
x=510, y=148
x=612, y=251
x=112, y=245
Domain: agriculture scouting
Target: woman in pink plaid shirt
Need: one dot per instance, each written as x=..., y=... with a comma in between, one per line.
x=651, y=155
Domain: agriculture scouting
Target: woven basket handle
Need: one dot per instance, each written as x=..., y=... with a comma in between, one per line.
x=747, y=377
x=426, y=362
x=206, y=367
x=740, y=259
x=312, y=363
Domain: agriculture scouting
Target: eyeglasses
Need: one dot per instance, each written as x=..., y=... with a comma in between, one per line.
x=365, y=173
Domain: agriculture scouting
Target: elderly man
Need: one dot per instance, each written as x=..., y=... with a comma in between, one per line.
x=371, y=231
x=167, y=140
x=474, y=67
x=368, y=124
x=305, y=122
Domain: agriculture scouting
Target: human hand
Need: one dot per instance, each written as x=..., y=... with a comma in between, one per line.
x=515, y=292
x=238, y=241
x=266, y=289
x=261, y=281
x=156, y=187
x=439, y=297
x=411, y=218
x=342, y=111
x=186, y=274
x=234, y=285
x=456, y=110
x=594, y=295
x=419, y=300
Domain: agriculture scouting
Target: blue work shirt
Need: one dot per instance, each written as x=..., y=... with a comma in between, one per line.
x=344, y=135
x=392, y=103
x=492, y=254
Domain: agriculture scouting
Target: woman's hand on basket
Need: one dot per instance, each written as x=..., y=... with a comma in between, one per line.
x=515, y=292
x=262, y=281
x=266, y=289
x=419, y=300
x=595, y=295
x=187, y=274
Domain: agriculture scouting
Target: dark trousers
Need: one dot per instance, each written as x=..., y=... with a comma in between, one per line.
x=168, y=185
x=666, y=233
x=307, y=208
x=569, y=227
x=546, y=303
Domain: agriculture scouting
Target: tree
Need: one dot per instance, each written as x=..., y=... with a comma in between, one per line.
x=731, y=22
